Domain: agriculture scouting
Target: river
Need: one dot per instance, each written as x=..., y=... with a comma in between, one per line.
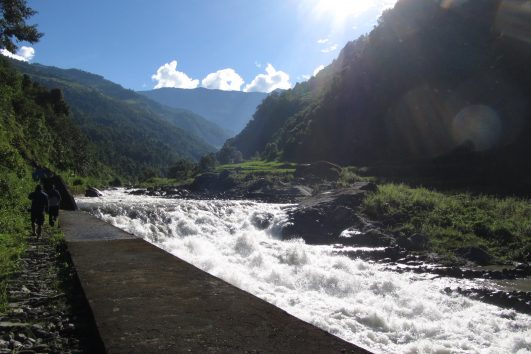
x=354, y=299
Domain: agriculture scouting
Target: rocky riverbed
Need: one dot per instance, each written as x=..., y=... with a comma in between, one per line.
x=47, y=311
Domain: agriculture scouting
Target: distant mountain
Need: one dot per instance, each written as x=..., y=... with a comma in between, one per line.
x=131, y=133
x=228, y=109
x=433, y=78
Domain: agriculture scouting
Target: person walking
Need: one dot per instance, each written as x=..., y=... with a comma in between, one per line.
x=39, y=204
x=54, y=201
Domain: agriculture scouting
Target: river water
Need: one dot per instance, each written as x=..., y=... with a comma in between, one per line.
x=354, y=299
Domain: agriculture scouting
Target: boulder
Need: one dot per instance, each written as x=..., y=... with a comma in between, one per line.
x=415, y=242
x=138, y=192
x=67, y=199
x=371, y=238
x=365, y=186
x=93, y=192
x=419, y=242
x=262, y=220
x=320, y=169
x=475, y=254
x=322, y=218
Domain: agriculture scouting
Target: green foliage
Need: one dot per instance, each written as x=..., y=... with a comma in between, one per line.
x=501, y=226
x=393, y=95
x=116, y=182
x=228, y=154
x=271, y=152
x=182, y=169
x=138, y=138
x=259, y=167
x=350, y=175
x=207, y=163
x=36, y=127
x=13, y=26
x=35, y=131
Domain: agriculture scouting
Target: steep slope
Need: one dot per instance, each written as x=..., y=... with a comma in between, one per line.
x=190, y=122
x=36, y=130
x=132, y=134
x=432, y=77
x=228, y=109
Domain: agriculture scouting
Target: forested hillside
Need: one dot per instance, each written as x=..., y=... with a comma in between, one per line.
x=231, y=110
x=135, y=136
x=36, y=130
x=433, y=78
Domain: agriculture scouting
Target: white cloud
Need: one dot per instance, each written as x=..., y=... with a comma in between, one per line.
x=322, y=41
x=224, y=79
x=329, y=48
x=317, y=69
x=269, y=81
x=168, y=76
x=23, y=54
x=257, y=64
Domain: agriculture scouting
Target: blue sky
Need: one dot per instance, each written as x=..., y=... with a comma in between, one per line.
x=253, y=45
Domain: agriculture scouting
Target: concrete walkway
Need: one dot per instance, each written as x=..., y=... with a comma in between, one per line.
x=145, y=300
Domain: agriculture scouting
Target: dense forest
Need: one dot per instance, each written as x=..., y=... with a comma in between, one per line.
x=36, y=130
x=432, y=79
x=137, y=137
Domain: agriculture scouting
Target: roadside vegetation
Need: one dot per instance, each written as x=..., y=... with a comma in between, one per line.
x=500, y=226
x=35, y=132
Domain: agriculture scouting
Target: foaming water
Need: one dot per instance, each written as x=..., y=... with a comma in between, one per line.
x=356, y=300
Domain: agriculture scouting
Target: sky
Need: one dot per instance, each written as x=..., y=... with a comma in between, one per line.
x=246, y=45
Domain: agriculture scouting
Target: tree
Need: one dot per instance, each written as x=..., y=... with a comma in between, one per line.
x=13, y=27
x=271, y=151
x=228, y=154
x=182, y=169
x=207, y=162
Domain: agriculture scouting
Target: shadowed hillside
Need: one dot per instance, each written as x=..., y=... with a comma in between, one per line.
x=434, y=78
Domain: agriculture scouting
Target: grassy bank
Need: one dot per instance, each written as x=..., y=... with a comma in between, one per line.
x=14, y=225
x=259, y=167
x=501, y=226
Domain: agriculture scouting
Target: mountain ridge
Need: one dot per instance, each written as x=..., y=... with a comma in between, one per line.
x=407, y=90
x=228, y=109
x=130, y=132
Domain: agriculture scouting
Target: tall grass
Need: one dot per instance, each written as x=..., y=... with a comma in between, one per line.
x=502, y=226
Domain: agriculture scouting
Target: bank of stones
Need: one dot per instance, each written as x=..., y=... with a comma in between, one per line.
x=46, y=312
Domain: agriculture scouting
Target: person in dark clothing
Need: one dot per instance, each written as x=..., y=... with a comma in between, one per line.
x=39, y=204
x=54, y=201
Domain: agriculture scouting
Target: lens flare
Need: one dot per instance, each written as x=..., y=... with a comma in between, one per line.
x=478, y=124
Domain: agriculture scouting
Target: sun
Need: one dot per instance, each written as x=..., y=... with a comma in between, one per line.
x=341, y=10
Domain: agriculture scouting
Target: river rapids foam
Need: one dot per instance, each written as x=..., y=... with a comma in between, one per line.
x=356, y=300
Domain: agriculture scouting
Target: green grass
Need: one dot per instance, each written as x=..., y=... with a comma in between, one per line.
x=259, y=167
x=501, y=226
x=14, y=224
x=350, y=175
x=78, y=184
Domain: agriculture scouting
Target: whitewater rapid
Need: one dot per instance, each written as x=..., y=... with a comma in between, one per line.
x=356, y=300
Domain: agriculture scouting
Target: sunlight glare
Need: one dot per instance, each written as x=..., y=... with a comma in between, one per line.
x=340, y=10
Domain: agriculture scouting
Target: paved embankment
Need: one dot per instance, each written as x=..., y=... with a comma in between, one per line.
x=145, y=300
